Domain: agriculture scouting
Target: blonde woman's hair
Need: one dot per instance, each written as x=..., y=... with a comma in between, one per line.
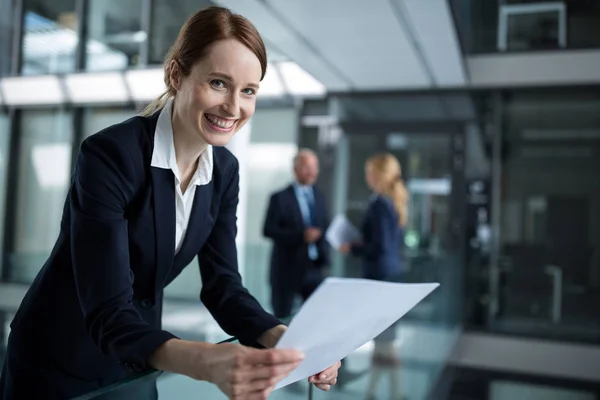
x=199, y=32
x=388, y=175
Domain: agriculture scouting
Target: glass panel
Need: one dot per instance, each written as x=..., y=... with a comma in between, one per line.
x=145, y=385
x=6, y=28
x=407, y=359
x=97, y=119
x=4, y=159
x=166, y=23
x=115, y=36
x=50, y=37
x=43, y=181
x=550, y=222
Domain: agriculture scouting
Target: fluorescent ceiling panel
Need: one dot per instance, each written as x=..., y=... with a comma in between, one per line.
x=432, y=24
x=362, y=39
x=32, y=90
x=298, y=81
x=96, y=88
x=285, y=39
x=271, y=85
x=145, y=84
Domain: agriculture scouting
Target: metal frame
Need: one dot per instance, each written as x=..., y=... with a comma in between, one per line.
x=496, y=207
x=508, y=10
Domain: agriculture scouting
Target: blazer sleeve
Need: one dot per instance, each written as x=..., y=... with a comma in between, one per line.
x=103, y=184
x=232, y=306
x=373, y=232
x=273, y=230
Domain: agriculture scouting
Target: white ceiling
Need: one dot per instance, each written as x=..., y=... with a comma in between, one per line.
x=362, y=45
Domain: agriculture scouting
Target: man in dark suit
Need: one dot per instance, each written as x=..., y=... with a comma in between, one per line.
x=296, y=221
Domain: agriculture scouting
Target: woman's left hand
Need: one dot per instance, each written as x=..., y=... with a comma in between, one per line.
x=326, y=379
x=323, y=380
x=344, y=248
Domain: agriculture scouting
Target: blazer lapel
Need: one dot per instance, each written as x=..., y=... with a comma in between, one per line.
x=163, y=193
x=200, y=219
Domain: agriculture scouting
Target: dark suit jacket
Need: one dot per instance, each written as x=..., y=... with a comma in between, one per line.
x=285, y=226
x=382, y=239
x=94, y=310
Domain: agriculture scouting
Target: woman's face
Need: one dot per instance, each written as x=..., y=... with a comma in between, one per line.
x=371, y=178
x=219, y=95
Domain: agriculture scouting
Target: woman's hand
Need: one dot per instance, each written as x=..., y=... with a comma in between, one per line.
x=323, y=380
x=244, y=373
x=345, y=248
x=241, y=373
x=327, y=378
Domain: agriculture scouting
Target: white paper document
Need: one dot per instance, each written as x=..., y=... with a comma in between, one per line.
x=341, y=231
x=342, y=315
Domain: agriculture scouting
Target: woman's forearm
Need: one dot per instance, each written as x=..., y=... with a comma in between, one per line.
x=180, y=357
x=270, y=338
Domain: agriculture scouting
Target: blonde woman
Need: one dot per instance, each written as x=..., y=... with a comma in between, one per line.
x=382, y=237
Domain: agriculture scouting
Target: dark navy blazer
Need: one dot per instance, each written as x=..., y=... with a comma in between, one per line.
x=94, y=310
x=285, y=226
x=382, y=238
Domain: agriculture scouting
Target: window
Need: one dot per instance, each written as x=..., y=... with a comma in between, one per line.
x=166, y=23
x=43, y=180
x=49, y=37
x=115, y=35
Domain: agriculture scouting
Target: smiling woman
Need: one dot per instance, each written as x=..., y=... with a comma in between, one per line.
x=146, y=197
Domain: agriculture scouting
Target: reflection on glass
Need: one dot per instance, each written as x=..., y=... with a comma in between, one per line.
x=115, y=36
x=166, y=23
x=49, y=37
x=426, y=335
x=43, y=180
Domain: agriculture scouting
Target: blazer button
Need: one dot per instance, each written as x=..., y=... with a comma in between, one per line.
x=146, y=304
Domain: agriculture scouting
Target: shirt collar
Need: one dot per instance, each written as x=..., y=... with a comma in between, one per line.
x=163, y=154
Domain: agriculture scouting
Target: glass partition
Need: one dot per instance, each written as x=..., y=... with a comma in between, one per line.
x=44, y=168
x=6, y=29
x=410, y=362
x=178, y=387
x=49, y=37
x=115, y=36
x=547, y=278
x=4, y=157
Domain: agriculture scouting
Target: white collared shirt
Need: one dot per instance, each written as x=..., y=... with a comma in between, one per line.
x=163, y=156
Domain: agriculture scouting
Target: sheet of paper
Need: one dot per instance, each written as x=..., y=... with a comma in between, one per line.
x=341, y=231
x=342, y=315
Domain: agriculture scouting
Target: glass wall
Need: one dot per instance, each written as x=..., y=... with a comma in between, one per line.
x=4, y=157
x=6, y=29
x=429, y=143
x=115, y=34
x=166, y=23
x=517, y=25
x=44, y=167
x=49, y=37
x=548, y=273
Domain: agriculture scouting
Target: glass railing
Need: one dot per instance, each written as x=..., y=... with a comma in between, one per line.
x=526, y=25
x=149, y=384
